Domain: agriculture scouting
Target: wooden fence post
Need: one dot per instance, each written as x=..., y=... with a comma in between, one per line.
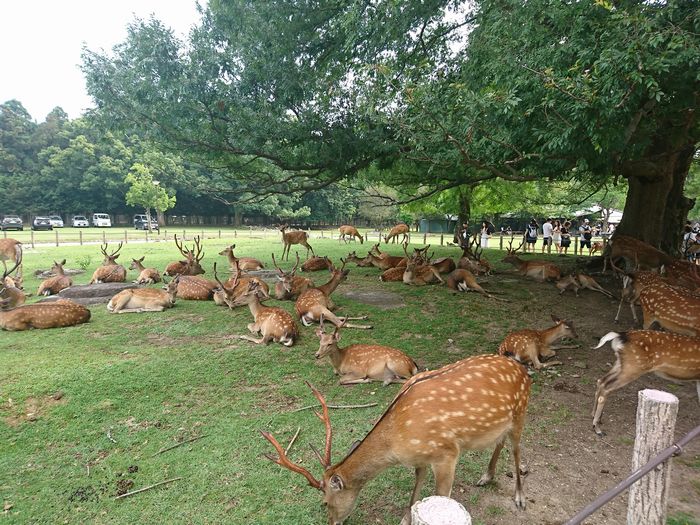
x=80, y=235
x=32, y=233
x=126, y=237
x=56, y=232
x=575, y=245
x=425, y=238
x=500, y=242
x=656, y=422
x=104, y=237
x=436, y=510
x=183, y=235
x=219, y=234
x=442, y=239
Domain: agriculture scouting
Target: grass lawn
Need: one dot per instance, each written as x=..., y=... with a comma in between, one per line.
x=84, y=411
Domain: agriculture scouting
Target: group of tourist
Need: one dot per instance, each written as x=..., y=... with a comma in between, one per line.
x=557, y=234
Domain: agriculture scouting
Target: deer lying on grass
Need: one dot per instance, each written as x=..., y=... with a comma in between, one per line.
x=316, y=302
x=11, y=294
x=529, y=345
x=444, y=264
x=468, y=405
x=195, y=288
x=245, y=263
x=316, y=264
x=363, y=263
x=640, y=352
x=387, y=261
x=420, y=274
x=349, y=231
x=538, y=270
x=226, y=293
x=137, y=300
x=110, y=271
x=578, y=281
x=399, y=229
x=294, y=237
x=472, y=258
x=56, y=314
x=146, y=275
x=58, y=282
x=393, y=274
x=364, y=363
x=290, y=286
x=461, y=280
x=192, y=263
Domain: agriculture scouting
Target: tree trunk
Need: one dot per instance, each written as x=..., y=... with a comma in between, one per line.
x=465, y=210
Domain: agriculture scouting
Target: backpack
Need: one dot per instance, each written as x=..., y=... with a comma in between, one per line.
x=532, y=231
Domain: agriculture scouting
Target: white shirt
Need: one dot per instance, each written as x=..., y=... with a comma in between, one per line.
x=547, y=229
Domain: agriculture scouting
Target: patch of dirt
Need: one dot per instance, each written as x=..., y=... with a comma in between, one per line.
x=379, y=298
x=83, y=494
x=34, y=408
x=136, y=426
x=123, y=486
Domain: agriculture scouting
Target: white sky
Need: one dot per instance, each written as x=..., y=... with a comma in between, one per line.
x=41, y=42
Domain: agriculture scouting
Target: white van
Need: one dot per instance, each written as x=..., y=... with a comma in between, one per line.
x=101, y=220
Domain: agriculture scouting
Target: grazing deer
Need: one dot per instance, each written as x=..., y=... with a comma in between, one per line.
x=272, y=323
x=110, y=271
x=316, y=264
x=195, y=288
x=146, y=275
x=56, y=314
x=364, y=363
x=349, y=231
x=363, y=263
x=640, y=352
x=578, y=281
x=11, y=292
x=294, y=237
x=10, y=250
x=245, y=263
x=461, y=280
x=316, y=302
x=290, y=286
x=399, y=229
x=468, y=405
x=137, y=300
x=634, y=252
x=58, y=282
x=529, y=345
x=538, y=270
x=192, y=263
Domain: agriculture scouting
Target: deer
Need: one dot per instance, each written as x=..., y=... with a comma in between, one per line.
x=55, y=284
x=11, y=293
x=138, y=300
x=56, y=314
x=472, y=404
x=192, y=263
x=399, y=229
x=349, y=231
x=195, y=288
x=473, y=260
x=539, y=270
x=387, y=261
x=682, y=273
x=529, y=345
x=316, y=302
x=316, y=264
x=420, y=274
x=639, y=352
x=393, y=274
x=576, y=281
x=294, y=237
x=361, y=363
x=245, y=263
x=461, y=280
x=146, y=275
x=11, y=250
x=596, y=246
x=226, y=293
x=110, y=271
x=365, y=262
x=444, y=264
x=634, y=251
x=290, y=286
x=272, y=323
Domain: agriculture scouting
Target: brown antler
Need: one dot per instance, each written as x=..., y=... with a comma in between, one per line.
x=115, y=252
x=197, y=249
x=183, y=249
x=296, y=265
x=103, y=249
x=216, y=278
x=344, y=263
x=282, y=274
x=326, y=461
x=6, y=272
x=283, y=461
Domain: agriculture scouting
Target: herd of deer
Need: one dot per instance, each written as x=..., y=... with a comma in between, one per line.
x=474, y=403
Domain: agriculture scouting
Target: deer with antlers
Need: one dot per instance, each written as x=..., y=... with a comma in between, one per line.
x=538, y=270
x=58, y=282
x=316, y=302
x=347, y=231
x=56, y=314
x=110, y=271
x=192, y=263
x=226, y=293
x=364, y=363
x=420, y=274
x=472, y=259
x=365, y=262
x=146, y=275
x=530, y=345
x=472, y=404
x=245, y=263
x=639, y=352
x=11, y=292
x=576, y=281
x=399, y=229
x=138, y=300
x=386, y=261
x=294, y=237
x=289, y=286
x=316, y=264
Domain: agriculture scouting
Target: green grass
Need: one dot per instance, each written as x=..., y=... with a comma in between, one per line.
x=131, y=385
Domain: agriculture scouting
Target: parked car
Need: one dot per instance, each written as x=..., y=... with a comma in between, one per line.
x=101, y=220
x=11, y=222
x=41, y=223
x=79, y=221
x=141, y=222
x=56, y=221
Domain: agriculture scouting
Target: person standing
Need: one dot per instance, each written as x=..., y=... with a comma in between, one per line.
x=485, y=234
x=586, y=235
x=547, y=230
x=556, y=235
x=531, y=236
x=565, y=237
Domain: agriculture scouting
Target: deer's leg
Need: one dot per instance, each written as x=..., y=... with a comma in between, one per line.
x=350, y=379
x=417, y=486
x=337, y=321
x=444, y=473
x=487, y=476
x=253, y=339
x=515, y=443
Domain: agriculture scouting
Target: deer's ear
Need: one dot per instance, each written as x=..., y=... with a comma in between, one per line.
x=319, y=332
x=63, y=262
x=116, y=256
x=337, y=335
x=555, y=318
x=336, y=483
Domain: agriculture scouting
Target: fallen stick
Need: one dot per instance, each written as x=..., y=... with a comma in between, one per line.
x=292, y=441
x=144, y=489
x=179, y=444
x=336, y=406
x=109, y=435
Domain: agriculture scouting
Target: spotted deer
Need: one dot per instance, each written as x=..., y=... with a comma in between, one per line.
x=538, y=270
x=56, y=314
x=289, y=286
x=245, y=263
x=110, y=271
x=639, y=352
x=195, y=288
x=351, y=232
x=529, y=345
x=226, y=293
x=316, y=264
x=146, y=275
x=399, y=229
x=316, y=302
x=11, y=293
x=393, y=274
x=294, y=237
x=365, y=262
x=420, y=274
x=362, y=363
x=58, y=282
x=138, y=300
x=192, y=263
x=576, y=281
x=473, y=404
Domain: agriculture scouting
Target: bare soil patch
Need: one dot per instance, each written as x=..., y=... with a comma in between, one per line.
x=34, y=408
x=379, y=298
